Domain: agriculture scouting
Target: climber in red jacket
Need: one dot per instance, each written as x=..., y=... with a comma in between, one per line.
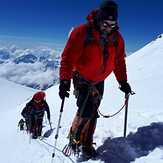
x=93, y=51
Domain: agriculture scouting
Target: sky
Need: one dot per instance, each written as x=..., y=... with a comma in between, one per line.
x=49, y=21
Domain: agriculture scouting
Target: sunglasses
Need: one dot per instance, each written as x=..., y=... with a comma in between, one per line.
x=109, y=23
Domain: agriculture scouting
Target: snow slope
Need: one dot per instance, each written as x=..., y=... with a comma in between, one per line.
x=143, y=145
x=12, y=96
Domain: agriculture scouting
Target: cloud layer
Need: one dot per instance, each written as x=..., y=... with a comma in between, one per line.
x=36, y=68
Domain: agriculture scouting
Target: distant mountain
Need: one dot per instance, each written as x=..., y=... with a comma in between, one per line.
x=4, y=54
x=29, y=58
x=36, y=68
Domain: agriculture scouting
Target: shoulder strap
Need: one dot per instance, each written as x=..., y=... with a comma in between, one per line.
x=115, y=40
x=89, y=35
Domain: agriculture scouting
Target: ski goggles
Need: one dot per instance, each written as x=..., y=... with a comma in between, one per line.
x=109, y=24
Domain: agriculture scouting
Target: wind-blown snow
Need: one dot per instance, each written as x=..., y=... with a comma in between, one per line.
x=143, y=144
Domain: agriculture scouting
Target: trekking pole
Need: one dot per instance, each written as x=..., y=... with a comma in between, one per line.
x=126, y=111
x=50, y=125
x=58, y=126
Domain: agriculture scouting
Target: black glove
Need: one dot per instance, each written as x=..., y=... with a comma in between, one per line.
x=64, y=87
x=125, y=87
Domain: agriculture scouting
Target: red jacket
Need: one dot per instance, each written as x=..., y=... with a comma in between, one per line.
x=88, y=61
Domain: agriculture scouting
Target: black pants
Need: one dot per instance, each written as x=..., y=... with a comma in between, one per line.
x=34, y=125
x=88, y=101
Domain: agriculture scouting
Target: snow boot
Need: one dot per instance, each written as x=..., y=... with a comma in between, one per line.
x=21, y=124
x=34, y=136
x=89, y=152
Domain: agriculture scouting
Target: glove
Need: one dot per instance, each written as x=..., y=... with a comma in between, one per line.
x=64, y=87
x=125, y=87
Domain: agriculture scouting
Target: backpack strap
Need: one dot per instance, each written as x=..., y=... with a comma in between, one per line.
x=89, y=35
x=115, y=39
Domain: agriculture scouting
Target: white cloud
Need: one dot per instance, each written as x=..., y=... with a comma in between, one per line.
x=36, y=74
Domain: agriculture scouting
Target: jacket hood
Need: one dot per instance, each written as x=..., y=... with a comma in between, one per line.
x=92, y=16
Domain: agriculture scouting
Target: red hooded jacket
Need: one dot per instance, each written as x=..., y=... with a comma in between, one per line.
x=89, y=60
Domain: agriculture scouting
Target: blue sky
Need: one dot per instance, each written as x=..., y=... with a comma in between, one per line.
x=33, y=21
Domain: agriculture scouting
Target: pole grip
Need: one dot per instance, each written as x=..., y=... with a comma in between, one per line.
x=62, y=104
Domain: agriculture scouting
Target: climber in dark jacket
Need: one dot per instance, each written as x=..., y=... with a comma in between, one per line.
x=34, y=113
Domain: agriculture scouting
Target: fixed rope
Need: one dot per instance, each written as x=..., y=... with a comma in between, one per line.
x=124, y=105
x=57, y=150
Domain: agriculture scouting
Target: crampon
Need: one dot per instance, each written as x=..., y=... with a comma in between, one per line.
x=72, y=148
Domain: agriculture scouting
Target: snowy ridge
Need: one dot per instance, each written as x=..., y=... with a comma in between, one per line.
x=143, y=144
x=154, y=46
